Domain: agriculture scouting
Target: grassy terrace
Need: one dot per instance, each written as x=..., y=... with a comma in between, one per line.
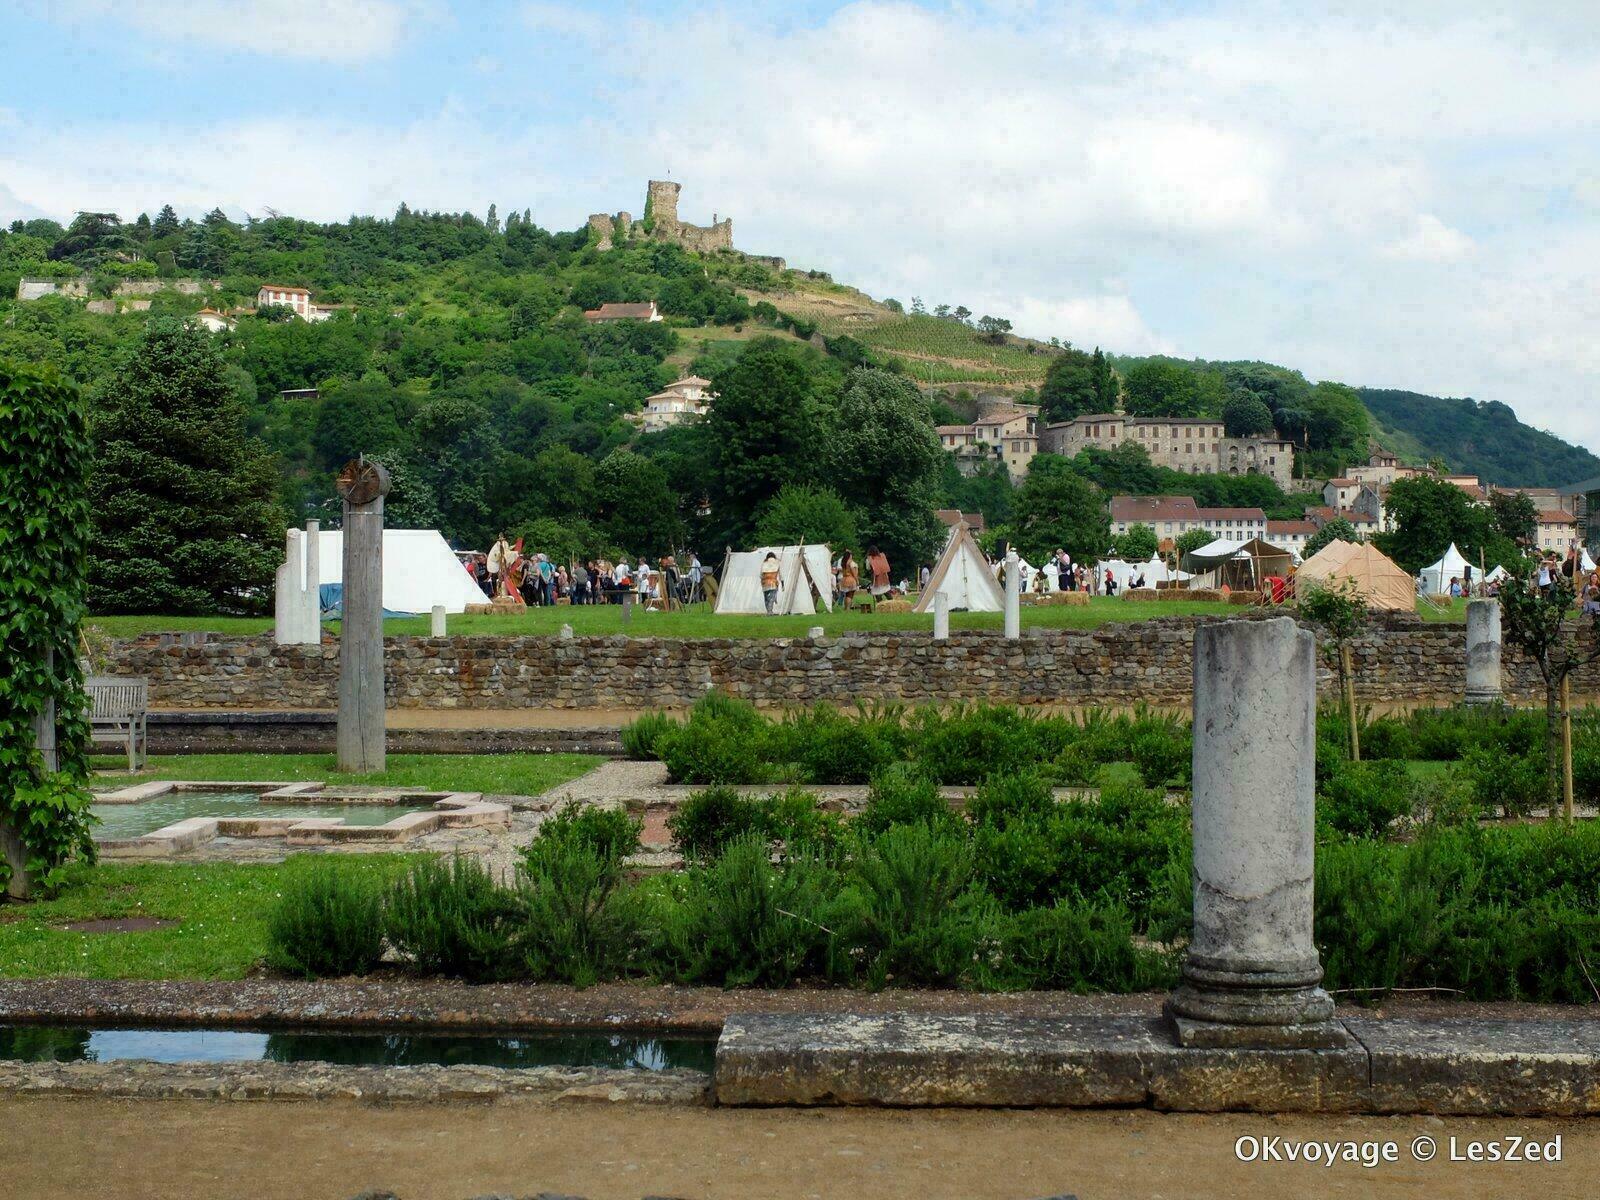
x=220, y=910
x=701, y=622
x=505, y=774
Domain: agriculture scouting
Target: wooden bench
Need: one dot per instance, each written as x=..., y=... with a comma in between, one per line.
x=118, y=707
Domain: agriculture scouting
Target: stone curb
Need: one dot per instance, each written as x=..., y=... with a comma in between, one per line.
x=143, y=1080
x=1395, y=1066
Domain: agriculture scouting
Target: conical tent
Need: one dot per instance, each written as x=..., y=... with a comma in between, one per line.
x=964, y=575
x=1436, y=578
x=1377, y=580
x=802, y=571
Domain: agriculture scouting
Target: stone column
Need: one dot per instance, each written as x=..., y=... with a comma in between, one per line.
x=311, y=596
x=941, y=617
x=436, y=626
x=1483, y=652
x=19, y=886
x=362, y=485
x=1251, y=971
x=286, y=590
x=1013, y=595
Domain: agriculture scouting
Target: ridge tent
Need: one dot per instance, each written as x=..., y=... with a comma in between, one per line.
x=1242, y=566
x=801, y=569
x=1155, y=571
x=419, y=571
x=963, y=575
x=1378, y=581
x=1436, y=578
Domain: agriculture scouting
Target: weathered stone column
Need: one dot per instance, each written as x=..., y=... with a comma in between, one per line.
x=1251, y=971
x=362, y=485
x=311, y=597
x=436, y=626
x=941, y=617
x=1013, y=595
x=286, y=590
x=1483, y=652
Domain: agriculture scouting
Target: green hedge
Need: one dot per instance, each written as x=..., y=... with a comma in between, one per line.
x=729, y=741
x=1022, y=892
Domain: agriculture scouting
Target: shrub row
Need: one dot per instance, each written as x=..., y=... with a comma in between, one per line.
x=728, y=741
x=1021, y=891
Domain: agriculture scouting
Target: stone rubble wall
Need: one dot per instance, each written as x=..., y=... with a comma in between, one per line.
x=1397, y=660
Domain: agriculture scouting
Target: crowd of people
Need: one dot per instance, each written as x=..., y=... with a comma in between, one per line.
x=537, y=580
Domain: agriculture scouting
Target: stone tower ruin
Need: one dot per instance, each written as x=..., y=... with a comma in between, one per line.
x=661, y=223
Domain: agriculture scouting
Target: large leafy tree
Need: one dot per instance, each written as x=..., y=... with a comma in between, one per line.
x=765, y=430
x=884, y=458
x=800, y=513
x=93, y=238
x=1069, y=388
x=1429, y=515
x=1163, y=388
x=183, y=498
x=1057, y=507
x=1245, y=416
x=1515, y=517
x=634, y=504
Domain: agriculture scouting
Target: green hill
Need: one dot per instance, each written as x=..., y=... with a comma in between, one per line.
x=1482, y=437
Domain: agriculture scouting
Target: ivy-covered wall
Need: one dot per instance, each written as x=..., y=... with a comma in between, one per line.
x=44, y=555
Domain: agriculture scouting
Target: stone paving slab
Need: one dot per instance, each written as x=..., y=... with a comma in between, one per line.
x=330, y=1081
x=1392, y=1066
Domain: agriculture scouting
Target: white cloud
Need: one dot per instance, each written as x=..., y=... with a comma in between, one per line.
x=1430, y=240
x=340, y=31
x=1264, y=179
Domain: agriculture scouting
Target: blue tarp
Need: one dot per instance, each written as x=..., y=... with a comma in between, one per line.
x=331, y=596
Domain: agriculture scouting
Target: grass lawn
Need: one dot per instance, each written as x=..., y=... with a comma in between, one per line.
x=506, y=774
x=221, y=910
x=696, y=622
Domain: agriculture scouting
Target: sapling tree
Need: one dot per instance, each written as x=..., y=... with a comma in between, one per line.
x=1338, y=614
x=1534, y=619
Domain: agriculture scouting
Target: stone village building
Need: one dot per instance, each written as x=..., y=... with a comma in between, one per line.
x=686, y=399
x=1195, y=445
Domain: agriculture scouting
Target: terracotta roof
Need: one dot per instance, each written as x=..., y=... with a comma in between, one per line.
x=1556, y=516
x=1306, y=527
x=1002, y=418
x=954, y=428
x=1343, y=482
x=284, y=287
x=1154, y=508
x=951, y=517
x=622, y=312
x=690, y=381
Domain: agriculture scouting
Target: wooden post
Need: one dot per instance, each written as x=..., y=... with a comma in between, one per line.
x=1566, y=747
x=360, y=731
x=1347, y=670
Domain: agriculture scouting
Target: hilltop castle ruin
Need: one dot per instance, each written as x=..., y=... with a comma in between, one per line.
x=660, y=223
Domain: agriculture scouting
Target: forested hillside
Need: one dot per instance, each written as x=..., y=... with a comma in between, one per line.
x=456, y=349
x=1483, y=437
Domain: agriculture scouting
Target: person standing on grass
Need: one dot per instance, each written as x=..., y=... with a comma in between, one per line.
x=878, y=565
x=849, y=578
x=580, y=583
x=769, y=582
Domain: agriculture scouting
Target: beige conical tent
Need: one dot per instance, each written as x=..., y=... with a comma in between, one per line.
x=1378, y=581
x=964, y=575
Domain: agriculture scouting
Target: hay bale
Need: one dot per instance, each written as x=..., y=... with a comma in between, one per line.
x=900, y=605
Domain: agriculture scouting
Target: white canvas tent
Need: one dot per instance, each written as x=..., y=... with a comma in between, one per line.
x=964, y=576
x=1123, y=572
x=802, y=570
x=1436, y=579
x=419, y=571
x=1237, y=564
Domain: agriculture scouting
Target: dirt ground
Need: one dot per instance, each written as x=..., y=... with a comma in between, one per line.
x=175, y=1150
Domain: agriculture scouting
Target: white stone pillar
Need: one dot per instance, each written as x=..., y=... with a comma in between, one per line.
x=815, y=632
x=1013, y=595
x=286, y=591
x=360, y=738
x=311, y=594
x=437, y=625
x=566, y=633
x=941, y=617
x=1251, y=970
x=1483, y=652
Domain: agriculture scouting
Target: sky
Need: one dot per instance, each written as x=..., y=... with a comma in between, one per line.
x=1407, y=201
